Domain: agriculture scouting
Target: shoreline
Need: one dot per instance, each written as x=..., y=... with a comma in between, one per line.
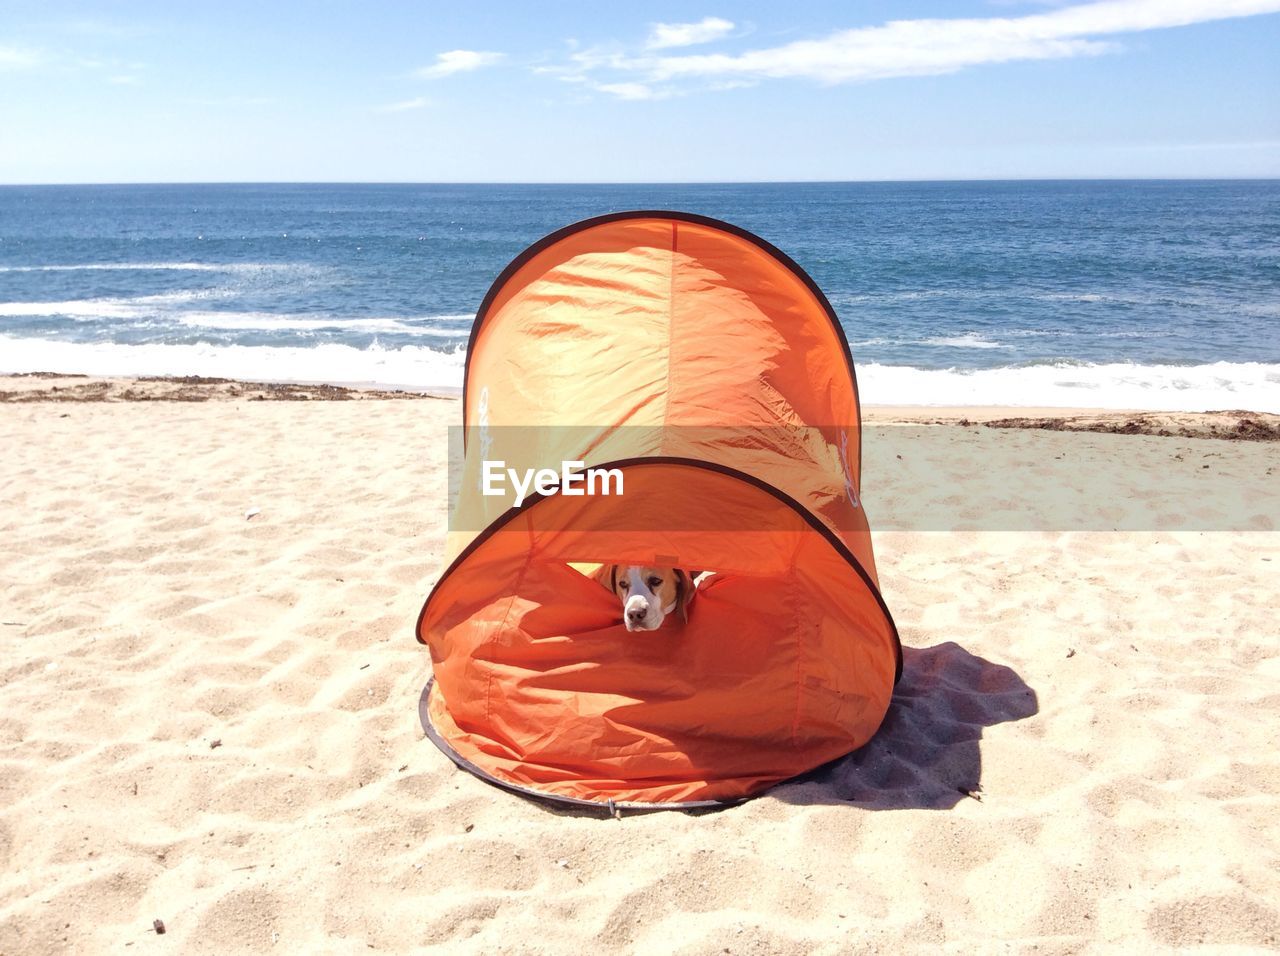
x=1225, y=424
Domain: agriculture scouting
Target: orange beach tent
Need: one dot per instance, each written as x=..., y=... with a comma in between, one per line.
x=707, y=370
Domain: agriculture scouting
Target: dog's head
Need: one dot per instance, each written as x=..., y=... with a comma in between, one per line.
x=648, y=595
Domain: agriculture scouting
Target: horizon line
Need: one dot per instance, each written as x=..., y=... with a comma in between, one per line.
x=648, y=182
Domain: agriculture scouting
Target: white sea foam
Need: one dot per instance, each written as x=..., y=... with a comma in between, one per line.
x=159, y=308
x=1189, y=388
x=410, y=366
x=78, y=309
x=969, y=340
x=1221, y=385
x=270, y=322
x=87, y=310
x=966, y=340
x=908, y=295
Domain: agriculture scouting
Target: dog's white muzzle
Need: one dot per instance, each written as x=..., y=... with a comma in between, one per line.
x=642, y=614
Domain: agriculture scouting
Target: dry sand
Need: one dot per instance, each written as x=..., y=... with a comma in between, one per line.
x=211, y=720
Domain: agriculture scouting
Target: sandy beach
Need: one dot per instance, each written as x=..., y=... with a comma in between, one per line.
x=209, y=692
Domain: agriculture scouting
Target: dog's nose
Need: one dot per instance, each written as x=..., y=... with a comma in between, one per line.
x=636, y=614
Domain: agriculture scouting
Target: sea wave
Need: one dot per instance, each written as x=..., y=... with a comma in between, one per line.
x=1254, y=386
x=1220, y=385
x=83, y=309
x=162, y=267
x=270, y=322
x=411, y=366
x=161, y=308
x=968, y=340
x=962, y=340
x=1175, y=298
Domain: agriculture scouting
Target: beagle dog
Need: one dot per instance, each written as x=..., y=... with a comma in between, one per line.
x=648, y=595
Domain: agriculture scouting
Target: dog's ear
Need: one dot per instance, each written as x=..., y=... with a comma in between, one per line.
x=684, y=592
x=607, y=577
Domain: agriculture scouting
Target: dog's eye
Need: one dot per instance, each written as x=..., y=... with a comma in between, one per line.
x=654, y=582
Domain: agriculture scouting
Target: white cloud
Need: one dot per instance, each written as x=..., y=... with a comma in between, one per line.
x=919, y=47
x=416, y=103
x=906, y=47
x=27, y=58
x=19, y=58
x=632, y=91
x=457, y=61
x=664, y=35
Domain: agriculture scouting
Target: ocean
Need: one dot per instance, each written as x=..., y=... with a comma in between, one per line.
x=1141, y=294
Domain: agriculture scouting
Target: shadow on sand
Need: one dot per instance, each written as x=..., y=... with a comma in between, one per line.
x=926, y=755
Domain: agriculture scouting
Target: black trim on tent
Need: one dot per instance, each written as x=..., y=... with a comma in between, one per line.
x=815, y=523
x=549, y=240
x=424, y=715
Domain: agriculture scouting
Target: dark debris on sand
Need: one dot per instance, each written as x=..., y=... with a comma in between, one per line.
x=187, y=388
x=1229, y=426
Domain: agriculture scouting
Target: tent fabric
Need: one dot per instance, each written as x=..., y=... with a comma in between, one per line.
x=710, y=372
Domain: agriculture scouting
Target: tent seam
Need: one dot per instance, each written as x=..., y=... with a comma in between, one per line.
x=671, y=325
x=506, y=617
x=550, y=240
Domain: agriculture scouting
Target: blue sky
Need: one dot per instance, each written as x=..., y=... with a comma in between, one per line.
x=587, y=92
